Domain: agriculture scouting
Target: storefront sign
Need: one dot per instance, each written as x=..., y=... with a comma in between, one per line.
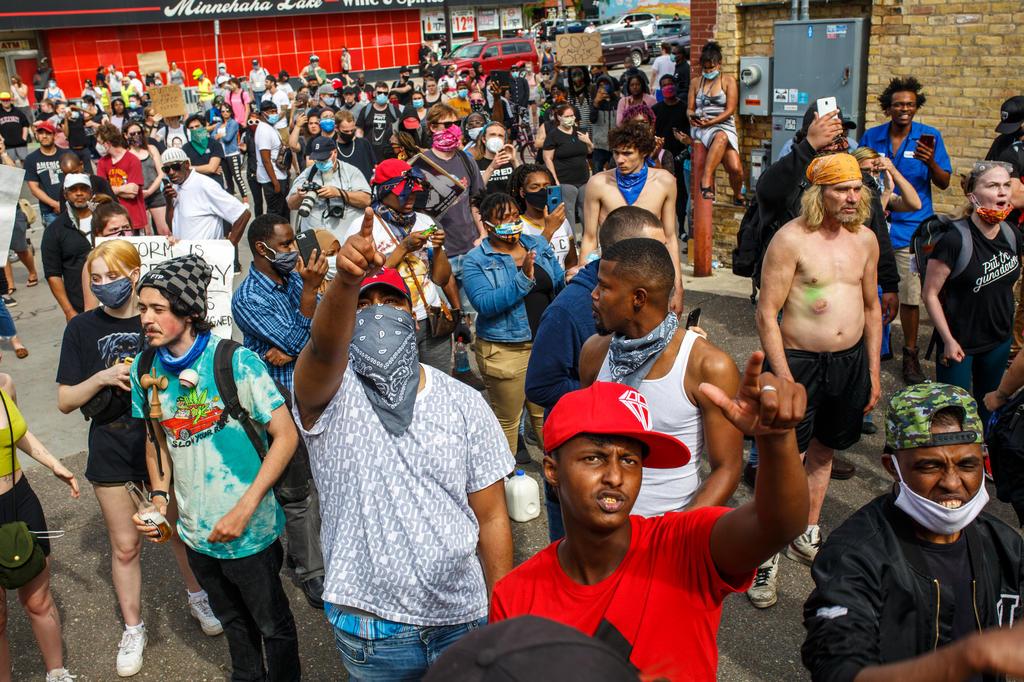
x=463, y=21
x=74, y=13
x=511, y=19
x=15, y=45
x=487, y=19
x=432, y=20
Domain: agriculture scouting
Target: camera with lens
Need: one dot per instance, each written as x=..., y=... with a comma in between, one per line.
x=336, y=210
x=309, y=198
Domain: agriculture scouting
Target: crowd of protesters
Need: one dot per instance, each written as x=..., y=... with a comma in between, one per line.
x=538, y=216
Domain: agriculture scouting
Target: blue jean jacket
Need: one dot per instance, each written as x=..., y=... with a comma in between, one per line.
x=496, y=288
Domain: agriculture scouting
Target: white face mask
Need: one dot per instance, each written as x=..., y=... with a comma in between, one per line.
x=932, y=515
x=101, y=149
x=494, y=144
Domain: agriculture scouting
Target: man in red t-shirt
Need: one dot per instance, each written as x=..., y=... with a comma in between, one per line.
x=124, y=173
x=658, y=581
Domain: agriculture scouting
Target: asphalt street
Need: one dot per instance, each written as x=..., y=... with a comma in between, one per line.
x=754, y=645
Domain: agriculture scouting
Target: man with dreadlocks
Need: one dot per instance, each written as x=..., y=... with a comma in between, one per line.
x=412, y=243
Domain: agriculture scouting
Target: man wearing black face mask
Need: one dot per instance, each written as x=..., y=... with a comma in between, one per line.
x=905, y=586
x=364, y=401
x=403, y=87
x=273, y=307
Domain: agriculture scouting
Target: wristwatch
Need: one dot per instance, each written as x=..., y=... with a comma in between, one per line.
x=161, y=493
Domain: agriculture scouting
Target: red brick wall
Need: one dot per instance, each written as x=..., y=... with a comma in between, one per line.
x=702, y=27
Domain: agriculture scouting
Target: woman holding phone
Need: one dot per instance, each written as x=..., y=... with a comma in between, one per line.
x=510, y=279
x=565, y=155
x=712, y=104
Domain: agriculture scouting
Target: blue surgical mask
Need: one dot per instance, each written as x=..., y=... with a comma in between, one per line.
x=283, y=263
x=417, y=104
x=329, y=101
x=515, y=74
x=273, y=118
x=711, y=75
x=463, y=93
x=324, y=166
x=327, y=125
x=381, y=99
x=113, y=294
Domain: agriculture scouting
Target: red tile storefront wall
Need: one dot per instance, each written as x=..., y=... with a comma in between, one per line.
x=376, y=40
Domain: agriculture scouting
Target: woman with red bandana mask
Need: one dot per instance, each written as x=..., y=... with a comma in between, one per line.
x=974, y=317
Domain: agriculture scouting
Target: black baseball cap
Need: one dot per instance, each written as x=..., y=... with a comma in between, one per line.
x=405, y=69
x=529, y=648
x=321, y=147
x=813, y=109
x=267, y=105
x=1011, y=115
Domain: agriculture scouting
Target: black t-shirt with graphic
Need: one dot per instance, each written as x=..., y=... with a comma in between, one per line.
x=46, y=171
x=979, y=301
x=94, y=341
x=500, y=178
x=12, y=126
x=377, y=127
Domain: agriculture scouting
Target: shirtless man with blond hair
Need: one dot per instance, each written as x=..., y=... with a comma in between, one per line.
x=820, y=271
x=633, y=183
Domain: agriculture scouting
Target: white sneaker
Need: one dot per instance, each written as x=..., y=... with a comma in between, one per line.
x=201, y=611
x=60, y=675
x=129, y=652
x=764, y=592
x=806, y=546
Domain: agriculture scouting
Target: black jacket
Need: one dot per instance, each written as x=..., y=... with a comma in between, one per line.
x=64, y=250
x=875, y=602
x=778, y=198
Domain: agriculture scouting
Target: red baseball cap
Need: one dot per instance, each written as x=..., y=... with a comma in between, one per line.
x=387, y=277
x=610, y=409
x=47, y=126
x=389, y=169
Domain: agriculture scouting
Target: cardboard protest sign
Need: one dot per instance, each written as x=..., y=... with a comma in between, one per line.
x=153, y=62
x=578, y=49
x=168, y=100
x=10, y=189
x=217, y=252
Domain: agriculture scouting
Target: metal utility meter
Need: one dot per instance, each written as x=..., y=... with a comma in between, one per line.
x=755, y=86
x=814, y=59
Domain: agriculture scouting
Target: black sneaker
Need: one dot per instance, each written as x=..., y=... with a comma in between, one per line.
x=868, y=428
x=9, y=301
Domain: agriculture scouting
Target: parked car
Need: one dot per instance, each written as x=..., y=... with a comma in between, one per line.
x=619, y=45
x=669, y=31
x=494, y=55
x=641, y=20
x=549, y=28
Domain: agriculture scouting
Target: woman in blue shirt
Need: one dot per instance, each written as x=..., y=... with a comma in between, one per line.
x=510, y=279
x=226, y=132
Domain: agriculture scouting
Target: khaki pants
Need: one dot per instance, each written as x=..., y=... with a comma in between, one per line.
x=503, y=368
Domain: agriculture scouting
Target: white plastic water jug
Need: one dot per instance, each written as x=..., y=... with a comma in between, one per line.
x=522, y=496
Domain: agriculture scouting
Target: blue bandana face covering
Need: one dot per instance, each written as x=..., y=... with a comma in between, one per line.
x=383, y=353
x=632, y=184
x=630, y=360
x=176, y=365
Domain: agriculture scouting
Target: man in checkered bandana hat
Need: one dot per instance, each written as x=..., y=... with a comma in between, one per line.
x=659, y=581
x=228, y=517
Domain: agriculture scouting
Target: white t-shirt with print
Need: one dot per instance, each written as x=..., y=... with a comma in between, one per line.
x=560, y=240
x=417, y=263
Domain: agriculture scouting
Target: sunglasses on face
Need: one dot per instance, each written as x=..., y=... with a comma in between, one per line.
x=176, y=167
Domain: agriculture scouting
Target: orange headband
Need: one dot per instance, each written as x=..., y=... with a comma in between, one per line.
x=833, y=169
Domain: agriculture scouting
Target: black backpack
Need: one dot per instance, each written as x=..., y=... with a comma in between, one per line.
x=932, y=229
x=756, y=231
x=1005, y=441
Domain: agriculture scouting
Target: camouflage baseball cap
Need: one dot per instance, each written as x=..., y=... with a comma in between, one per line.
x=908, y=421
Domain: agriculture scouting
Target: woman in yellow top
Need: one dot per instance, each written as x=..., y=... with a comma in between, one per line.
x=205, y=88
x=18, y=502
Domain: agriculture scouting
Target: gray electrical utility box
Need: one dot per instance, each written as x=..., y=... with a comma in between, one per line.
x=755, y=86
x=814, y=59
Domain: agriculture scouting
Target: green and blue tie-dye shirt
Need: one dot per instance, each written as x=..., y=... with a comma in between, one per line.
x=214, y=463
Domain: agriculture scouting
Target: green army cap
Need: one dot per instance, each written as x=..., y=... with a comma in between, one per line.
x=908, y=421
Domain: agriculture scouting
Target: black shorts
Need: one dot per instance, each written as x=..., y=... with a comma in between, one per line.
x=28, y=510
x=838, y=389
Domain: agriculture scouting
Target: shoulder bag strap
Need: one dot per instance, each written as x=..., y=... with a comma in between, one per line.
x=963, y=258
x=224, y=377
x=10, y=429
x=419, y=288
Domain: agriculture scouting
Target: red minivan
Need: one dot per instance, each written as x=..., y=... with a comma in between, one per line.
x=494, y=55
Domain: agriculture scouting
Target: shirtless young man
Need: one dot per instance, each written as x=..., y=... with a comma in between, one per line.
x=632, y=183
x=820, y=270
x=648, y=350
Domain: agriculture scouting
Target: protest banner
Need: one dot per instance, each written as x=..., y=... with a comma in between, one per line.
x=578, y=49
x=168, y=100
x=10, y=189
x=217, y=252
x=152, y=62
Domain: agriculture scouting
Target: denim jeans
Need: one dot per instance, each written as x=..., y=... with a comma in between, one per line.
x=977, y=374
x=47, y=215
x=404, y=653
x=556, y=527
x=247, y=597
x=456, y=265
x=600, y=159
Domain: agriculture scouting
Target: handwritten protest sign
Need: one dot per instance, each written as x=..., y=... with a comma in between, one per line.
x=152, y=62
x=10, y=189
x=217, y=252
x=168, y=100
x=578, y=49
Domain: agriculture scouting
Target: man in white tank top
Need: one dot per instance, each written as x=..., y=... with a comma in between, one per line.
x=646, y=350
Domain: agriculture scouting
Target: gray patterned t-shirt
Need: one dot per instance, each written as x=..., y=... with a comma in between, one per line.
x=399, y=537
